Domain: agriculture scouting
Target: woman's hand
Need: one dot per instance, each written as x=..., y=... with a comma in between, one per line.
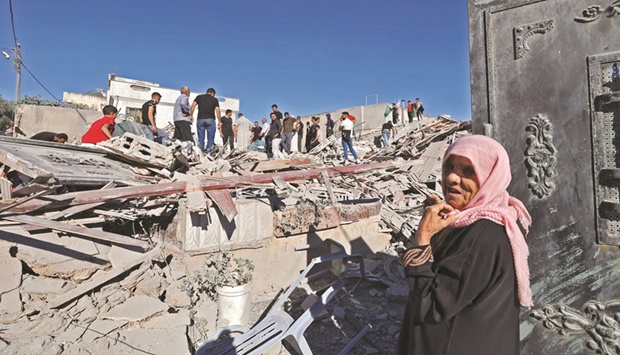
x=436, y=217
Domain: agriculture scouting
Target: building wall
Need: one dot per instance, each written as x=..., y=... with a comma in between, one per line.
x=96, y=102
x=371, y=116
x=32, y=119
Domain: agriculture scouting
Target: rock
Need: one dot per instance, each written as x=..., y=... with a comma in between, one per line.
x=394, y=313
x=169, y=320
x=382, y=317
x=11, y=275
x=177, y=298
x=154, y=341
x=101, y=327
x=62, y=257
x=373, y=292
x=393, y=331
x=149, y=285
x=397, y=293
x=43, y=285
x=370, y=351
x=338, y=313
x=136, y=308
x=376, y=309
x=10, y=302
x=122, y=256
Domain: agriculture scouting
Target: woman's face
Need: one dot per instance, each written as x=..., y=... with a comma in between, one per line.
x=459, y=181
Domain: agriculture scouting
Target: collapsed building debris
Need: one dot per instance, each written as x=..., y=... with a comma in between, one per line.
x=99, y=245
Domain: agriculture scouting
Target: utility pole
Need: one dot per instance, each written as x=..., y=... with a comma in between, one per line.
x=18, y=67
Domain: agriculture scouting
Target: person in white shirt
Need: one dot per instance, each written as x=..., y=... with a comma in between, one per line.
x=265, y=130
x=346, y=127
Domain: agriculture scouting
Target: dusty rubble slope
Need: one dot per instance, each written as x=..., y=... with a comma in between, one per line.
x=93, y=266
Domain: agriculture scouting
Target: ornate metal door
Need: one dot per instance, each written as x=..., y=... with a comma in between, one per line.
x=545, y=84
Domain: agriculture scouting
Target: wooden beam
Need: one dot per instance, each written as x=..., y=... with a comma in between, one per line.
x=87, y=197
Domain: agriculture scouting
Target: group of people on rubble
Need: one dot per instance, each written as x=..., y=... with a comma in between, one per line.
x=282, y=134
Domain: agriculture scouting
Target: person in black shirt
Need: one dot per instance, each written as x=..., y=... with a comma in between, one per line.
x=256, y=132
x=50, y=137
x=275, y=130
x=208, y=110
x=300, y=133
x=227, y=131
x=149, y=126
x=387, y=131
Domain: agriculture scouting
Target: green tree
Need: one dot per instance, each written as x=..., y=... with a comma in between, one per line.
x=7, y=108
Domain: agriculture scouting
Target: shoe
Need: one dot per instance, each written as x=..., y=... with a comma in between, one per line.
x=345, y=163
x=357, y=161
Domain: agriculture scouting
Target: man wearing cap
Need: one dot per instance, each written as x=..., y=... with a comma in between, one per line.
x=329, y=126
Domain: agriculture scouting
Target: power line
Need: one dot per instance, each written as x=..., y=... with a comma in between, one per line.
x=37, y=80
x=13, y=22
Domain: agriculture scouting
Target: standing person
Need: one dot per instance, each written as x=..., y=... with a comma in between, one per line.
x=309, y=133
x=149, y=126
x=103, y=128
x=275, y=129
x=265, y=129
x=182, y=119
x=318, y=136
x=274, y=108
x=420, y=108
x=329, y=126
x=395, y=113
x=410, y=112
x=300, y=132
x=227, y=131
x=386, y=130
x=468, y=273
x=288, y=127
x=346, y=127
x=208, y=110
x=50, y=137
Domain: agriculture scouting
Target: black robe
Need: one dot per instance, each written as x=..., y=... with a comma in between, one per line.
x=465, y=301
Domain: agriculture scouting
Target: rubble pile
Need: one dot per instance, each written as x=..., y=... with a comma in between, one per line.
x=97, y=246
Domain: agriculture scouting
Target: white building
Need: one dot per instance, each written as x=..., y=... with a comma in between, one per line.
x=128, y=96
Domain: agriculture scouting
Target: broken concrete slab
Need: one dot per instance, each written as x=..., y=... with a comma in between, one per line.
x=11, y=275
x=136, y=308
x=100, y=328
x=154, y=341
x=169, y=320
x=10, y=302
x=43, y=285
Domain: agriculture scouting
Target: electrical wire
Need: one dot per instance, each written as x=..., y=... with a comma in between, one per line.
x=21, y=62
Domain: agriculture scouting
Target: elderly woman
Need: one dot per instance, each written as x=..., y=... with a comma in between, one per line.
x=468, y=273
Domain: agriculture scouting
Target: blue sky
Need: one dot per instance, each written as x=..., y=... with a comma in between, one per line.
x=306, y=56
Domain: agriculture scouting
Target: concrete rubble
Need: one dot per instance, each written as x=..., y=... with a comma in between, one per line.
x=99, y=248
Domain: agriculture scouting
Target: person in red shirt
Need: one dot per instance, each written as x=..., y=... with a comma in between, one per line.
x=101, y=129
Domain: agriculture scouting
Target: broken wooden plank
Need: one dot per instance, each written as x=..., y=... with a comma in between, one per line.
x=86, y=197
x=86, y=232
x=271, y=165
x=224, y=201
x=99, y=279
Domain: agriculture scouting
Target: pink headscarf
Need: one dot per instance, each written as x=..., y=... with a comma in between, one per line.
x=493, y=202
